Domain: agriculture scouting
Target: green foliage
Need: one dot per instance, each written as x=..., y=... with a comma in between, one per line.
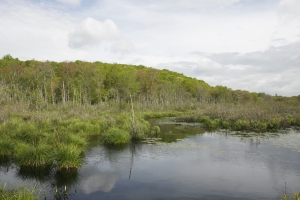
x=206, y=121
x=273, y=124
x=260, y=126
x=296, y=197
x=116, y=136
x=155, y=130
x=151, y=114
x=142, y=128
x=225, y=124
x=241, y=125
x=87, y=127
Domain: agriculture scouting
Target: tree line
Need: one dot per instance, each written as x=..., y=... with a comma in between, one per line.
x=41, y=83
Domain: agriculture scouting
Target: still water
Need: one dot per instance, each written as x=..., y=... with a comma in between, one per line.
x=186, y=163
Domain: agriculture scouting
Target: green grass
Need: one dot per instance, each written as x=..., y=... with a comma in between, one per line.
x=6, y=147
x=21, y=193
x=27, y=155
x=77, y=140
x=68, y=157
x=116, y=136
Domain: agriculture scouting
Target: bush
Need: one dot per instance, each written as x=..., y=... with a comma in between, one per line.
x=155, y=130
x=273, y=124
x=259, y=126
x=241, y=125
x=225, y=124
x=142, y=128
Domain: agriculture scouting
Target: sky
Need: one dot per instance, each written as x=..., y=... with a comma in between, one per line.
x=249, y=45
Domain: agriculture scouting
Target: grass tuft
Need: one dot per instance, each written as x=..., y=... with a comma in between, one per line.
x=116, y=136
x=21, y=193
x=68, y=157
x=27, y=155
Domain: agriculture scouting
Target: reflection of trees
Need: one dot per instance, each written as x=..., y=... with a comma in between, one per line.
x=133, y=152
x=40, y=174
x=5, y=163
x=61, y=183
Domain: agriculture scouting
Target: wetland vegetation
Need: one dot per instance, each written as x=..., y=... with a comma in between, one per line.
x=51, y=113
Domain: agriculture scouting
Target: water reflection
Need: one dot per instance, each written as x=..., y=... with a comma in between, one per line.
x=61, y=184
x=187, y=163
x=106, y=165
x=5, y=164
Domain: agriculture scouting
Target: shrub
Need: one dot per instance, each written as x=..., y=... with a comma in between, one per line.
x=260, y=126
x=155, y=130
x=205, y=120
x=224, y=124
x=142, y=127
x=241, y=125
x=273, y=124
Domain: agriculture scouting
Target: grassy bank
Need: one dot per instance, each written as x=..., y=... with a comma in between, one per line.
x=259, y=117
x=59, y=136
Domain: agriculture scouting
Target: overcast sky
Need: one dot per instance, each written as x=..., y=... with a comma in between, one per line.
x=250, y=45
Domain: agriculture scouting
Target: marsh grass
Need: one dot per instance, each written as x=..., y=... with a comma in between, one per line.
x=77, y=140
x=27, y=155
x=116, y=136
x=160, y=114
x=6, y=147
x=21, y=193
x=68, y=157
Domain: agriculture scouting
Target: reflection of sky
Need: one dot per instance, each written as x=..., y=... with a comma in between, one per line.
x=103, y=170
x=202, y=166
x=206, y=166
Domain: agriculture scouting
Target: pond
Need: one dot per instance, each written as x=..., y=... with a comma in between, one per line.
x=185, y=162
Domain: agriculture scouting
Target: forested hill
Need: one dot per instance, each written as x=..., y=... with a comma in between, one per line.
x=82, y=82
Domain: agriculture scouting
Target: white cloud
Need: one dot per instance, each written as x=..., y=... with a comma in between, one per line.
x=289, y=7
x=70, y=2
x=91, y=32
x=275, y=70
x=263, y=35
x=123, y=46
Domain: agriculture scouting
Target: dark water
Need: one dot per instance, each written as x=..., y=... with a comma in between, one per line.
x=188, y=163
